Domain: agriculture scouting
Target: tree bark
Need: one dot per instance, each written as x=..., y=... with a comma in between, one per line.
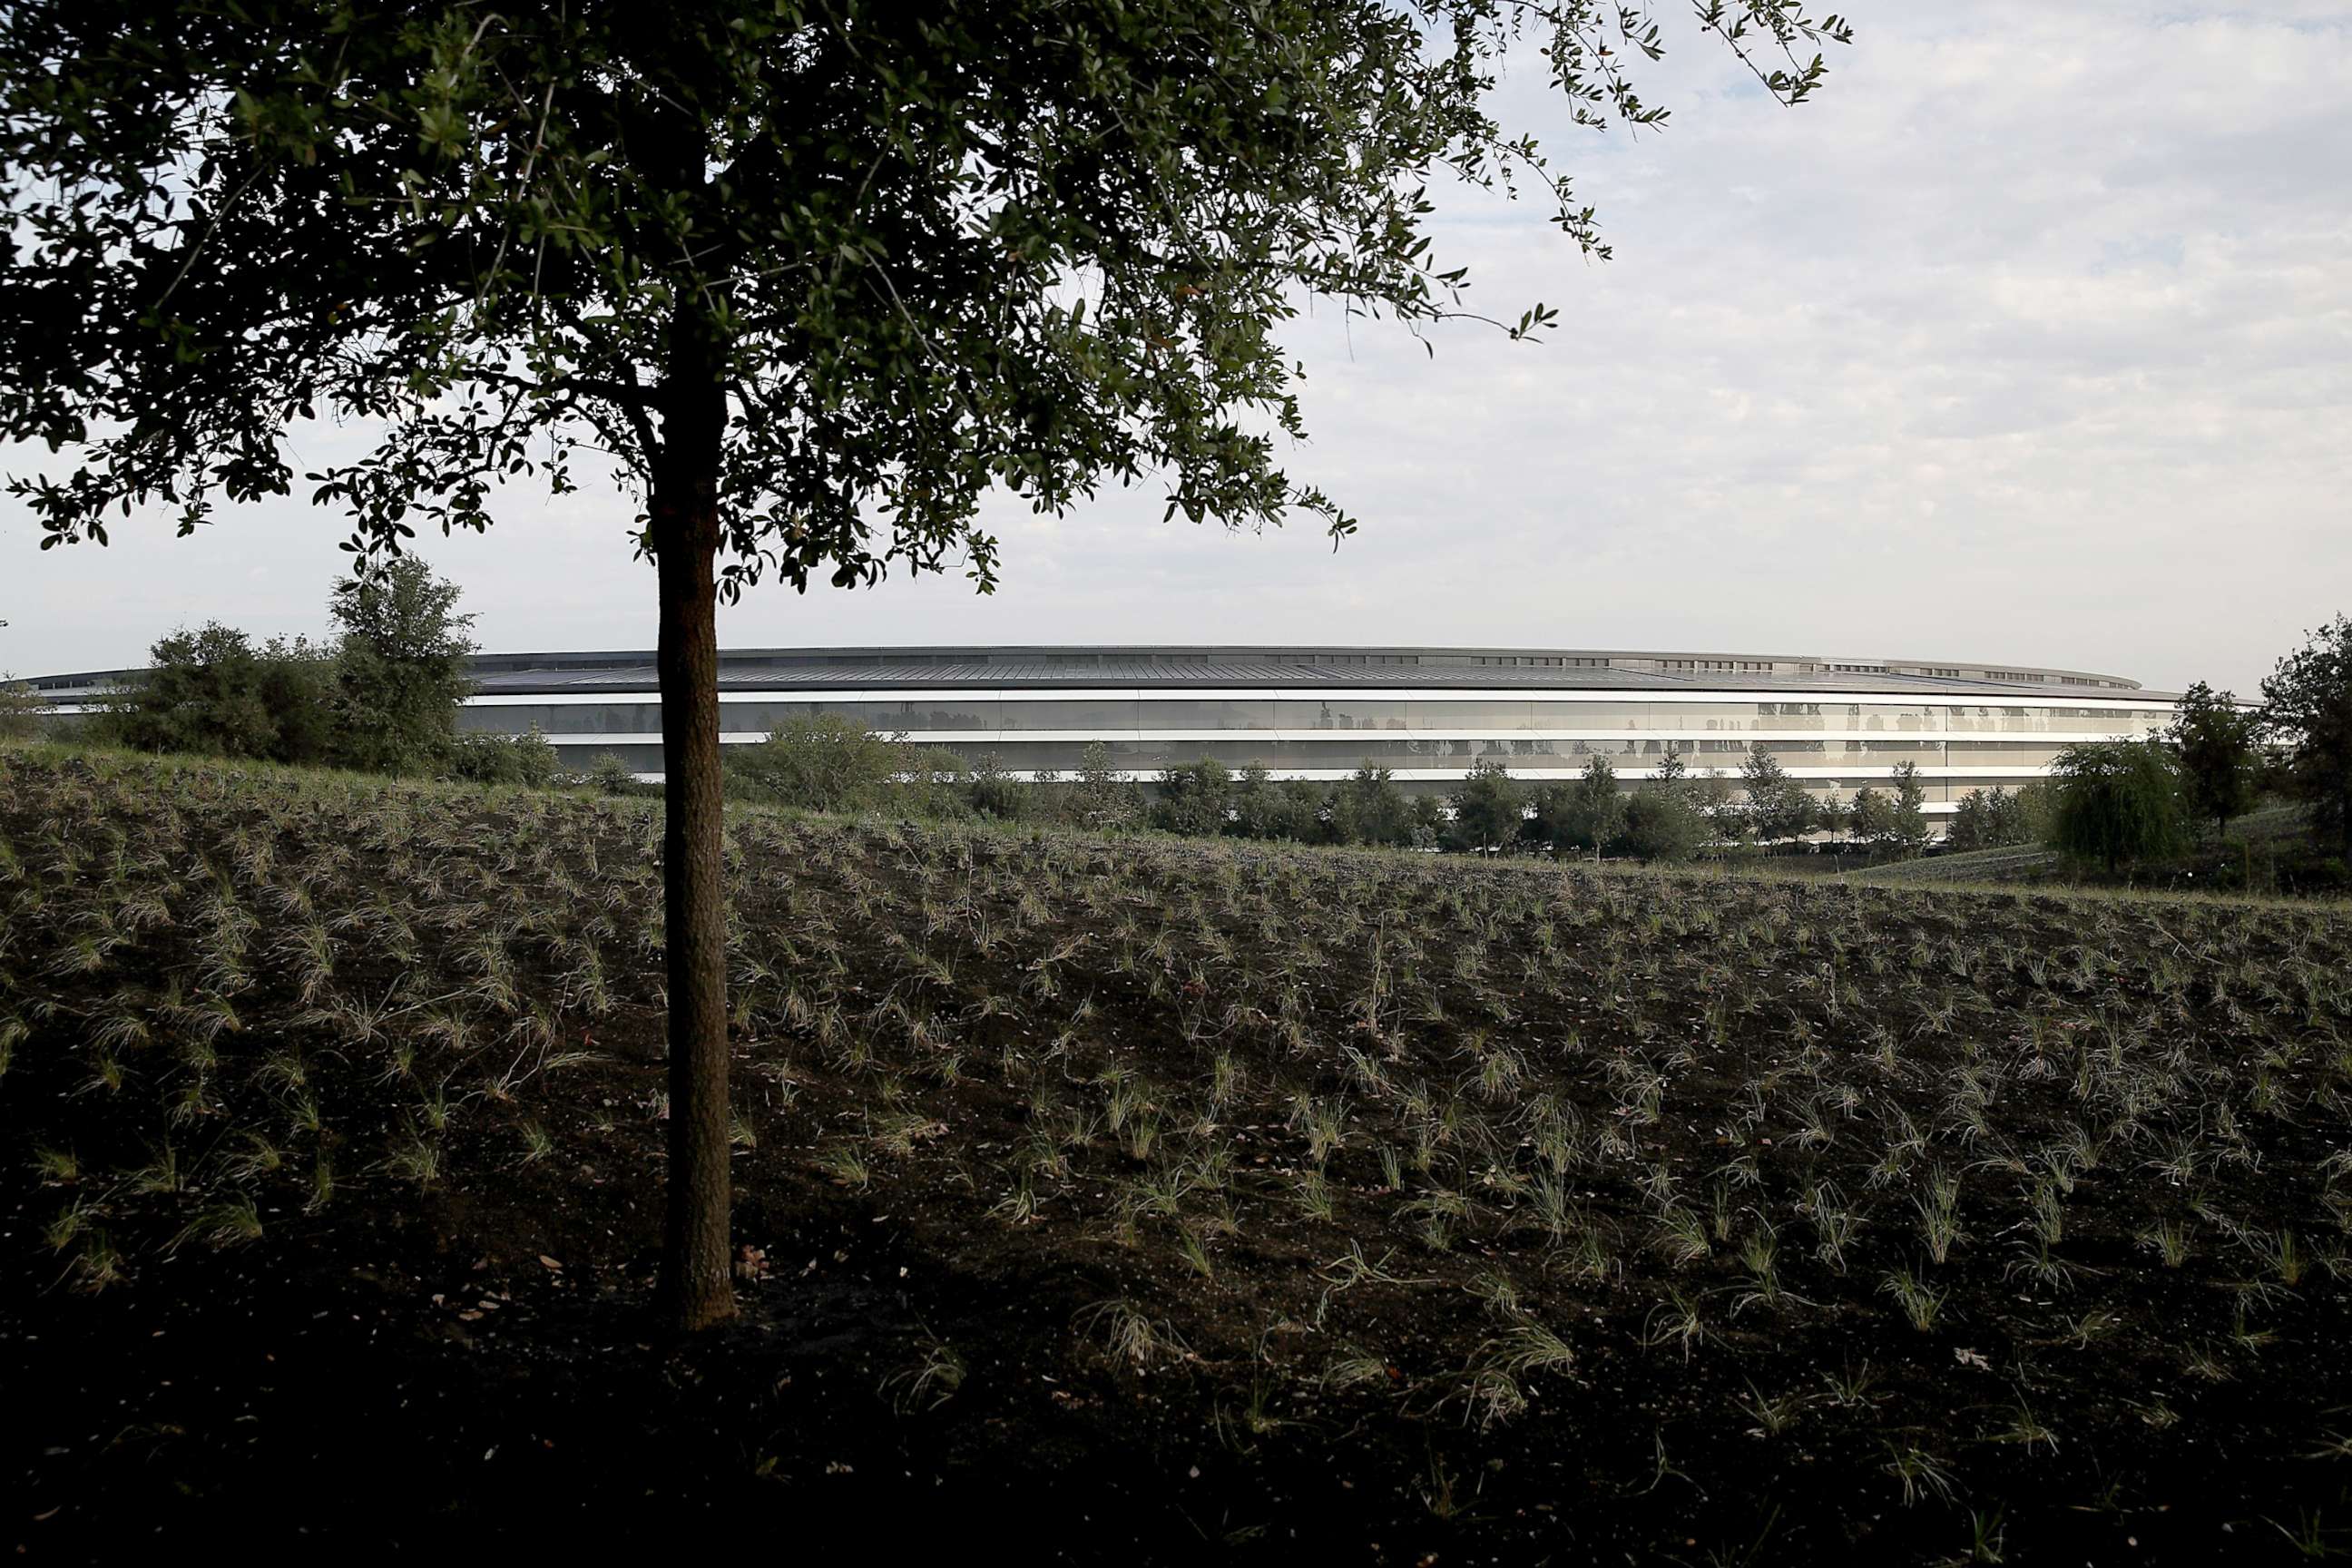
x=697, y=1284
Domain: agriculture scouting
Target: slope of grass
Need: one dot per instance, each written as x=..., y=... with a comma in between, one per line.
x=1153, y=1199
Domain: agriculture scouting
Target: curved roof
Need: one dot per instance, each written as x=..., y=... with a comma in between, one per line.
x=817, y=670
x=1257, y=667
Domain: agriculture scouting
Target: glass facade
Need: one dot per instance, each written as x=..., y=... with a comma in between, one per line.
x=1833, y=743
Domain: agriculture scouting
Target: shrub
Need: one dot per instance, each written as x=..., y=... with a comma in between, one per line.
x=2117, y=801
x=824, y=763
x=2309, y=712
x=1661, y=825
x=21, y=710
x=1194, y=798
x=608, y=774
x=1489, y=811
x=526, y=759
x=212, y=691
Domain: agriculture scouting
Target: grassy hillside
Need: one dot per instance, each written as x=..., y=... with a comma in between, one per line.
x=1149, y=1200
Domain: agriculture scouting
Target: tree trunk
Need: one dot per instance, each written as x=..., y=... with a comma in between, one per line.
x=697, y=1287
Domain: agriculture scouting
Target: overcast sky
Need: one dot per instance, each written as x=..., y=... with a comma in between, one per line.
x=2029, y=341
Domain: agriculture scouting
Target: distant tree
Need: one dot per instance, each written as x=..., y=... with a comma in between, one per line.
x=1970, y=823
x=1830, y=815
x=819, y=762
x=2118, y=802
x=399, y=668
x=1719, y=807
x=1583, y=814
x=2036, y=806
x=1369, y=808
x=992, y=793
x=1778, y=808
x=1908, y=810
x=482, y=757
x=1306, y=813
x=1490, y=808
x=1256, y=802
x=931, y=782
x=1194, y=798
x=1987, y=819
x=1102, y=797
x=608, y=774
x=22, y=711
x=2307, y=713
x=1661, y=825
x=212, y=691
x=1870, y=819
x=2218, y=743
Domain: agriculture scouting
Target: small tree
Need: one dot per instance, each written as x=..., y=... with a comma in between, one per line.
x=1830, y=815
x=2117, y=803
x=1585, y=815
x=1660, y=825
x=1871, y=819
x=400, y=668
x=1306, y=813
x=1908, y=810
x=212, y=691
x=21, y=710
x=2217, y=741
x=609, y=775
x=1779, y=809
x=1490, y=809
x=1194, y=798
x=526, y=759
x=1256, y=802
x=1369, y=808
x=991, y=791
x=1101, y=797
x=2308, y=714
x=1719, y=807
x=819, y=762
x=1970, y=824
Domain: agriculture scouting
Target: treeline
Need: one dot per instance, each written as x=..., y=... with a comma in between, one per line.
x=381, y=695
x=829, y=763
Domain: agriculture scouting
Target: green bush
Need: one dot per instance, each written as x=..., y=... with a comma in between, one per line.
x=2119, y=803
x=526, y=759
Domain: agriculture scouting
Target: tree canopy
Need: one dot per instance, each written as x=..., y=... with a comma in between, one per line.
x=812, y=279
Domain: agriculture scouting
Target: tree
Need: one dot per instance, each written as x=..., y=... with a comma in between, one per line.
x=1102, y=797
x=1907, y=812
x=991, y=791
x=816, y=279
x=2117, y=801
x=818, y=763
x=1194, y=798
x=1369, y=808
x=2308, y=713
x=1779, y=809
x=212, y=691
x=1661, y=825
x=526, y=759
x=1711, y=796
x=1870, y=818
x=1256, y=803
x=1585, y=815
x=21, y=709
x=400, y=667
x=2217, y=740
x=1490, y=808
